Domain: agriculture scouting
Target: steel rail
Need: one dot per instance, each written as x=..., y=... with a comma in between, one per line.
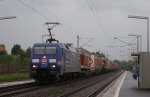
x=16, y=89
x=29, y=87
x=68, y=94
x=104, y=86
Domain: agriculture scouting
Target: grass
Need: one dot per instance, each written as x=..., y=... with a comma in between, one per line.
x=14, y=77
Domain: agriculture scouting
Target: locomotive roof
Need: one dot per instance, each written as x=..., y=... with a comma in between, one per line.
x=45, y=44
x=61, y=45
x=49, y=44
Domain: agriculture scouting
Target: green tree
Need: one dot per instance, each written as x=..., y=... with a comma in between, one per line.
x=3, y=52
x=127, y=65
x=100, y=54
x=28, y=52
x=16, y=50
x=22, y=55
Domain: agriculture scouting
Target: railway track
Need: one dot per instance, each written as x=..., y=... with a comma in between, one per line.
x=17, y=89
x=14, y=90
x=84, y=91
x=92, y=89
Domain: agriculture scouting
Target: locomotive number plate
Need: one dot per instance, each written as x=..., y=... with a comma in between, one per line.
x=44, y=60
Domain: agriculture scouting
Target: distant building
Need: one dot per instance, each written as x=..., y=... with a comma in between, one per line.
x=2, y=47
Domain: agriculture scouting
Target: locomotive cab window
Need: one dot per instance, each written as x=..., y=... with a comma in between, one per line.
x=50, y=50
x=39, y=50
x=44, y=50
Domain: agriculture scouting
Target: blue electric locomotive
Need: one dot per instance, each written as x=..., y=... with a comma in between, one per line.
x=54, y=60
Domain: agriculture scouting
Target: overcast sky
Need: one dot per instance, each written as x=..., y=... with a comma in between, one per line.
x=99, y=19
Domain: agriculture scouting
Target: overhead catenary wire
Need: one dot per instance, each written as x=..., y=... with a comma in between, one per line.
x=100, y=19
x=25, y=4
x=97, y=19
x=58, y=19
x=65, y=27
x=49, y=12
x=46, y=17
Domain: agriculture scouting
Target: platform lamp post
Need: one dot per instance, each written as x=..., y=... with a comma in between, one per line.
x=7, y=17
x=143, y=17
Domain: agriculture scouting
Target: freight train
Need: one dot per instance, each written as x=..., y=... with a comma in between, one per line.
x=63, y=61
x=54, y=60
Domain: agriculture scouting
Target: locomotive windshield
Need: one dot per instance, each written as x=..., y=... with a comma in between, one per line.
x=50, y=50
x=44, y=50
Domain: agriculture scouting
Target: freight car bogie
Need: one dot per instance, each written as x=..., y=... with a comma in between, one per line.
x=47, y=76
x=70, y=76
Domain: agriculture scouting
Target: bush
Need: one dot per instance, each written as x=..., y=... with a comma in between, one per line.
x=26, y=61
x=10, y=59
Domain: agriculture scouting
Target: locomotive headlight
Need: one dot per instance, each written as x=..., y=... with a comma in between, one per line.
x=35, y=60
x=53, y=66
x=34, y=66
x=52, y=60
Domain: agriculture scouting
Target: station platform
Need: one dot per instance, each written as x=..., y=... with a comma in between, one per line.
x=124, y=86
x=6, y=84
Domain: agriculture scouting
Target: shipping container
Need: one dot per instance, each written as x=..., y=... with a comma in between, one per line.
x=85, y=59
x=97, y=64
